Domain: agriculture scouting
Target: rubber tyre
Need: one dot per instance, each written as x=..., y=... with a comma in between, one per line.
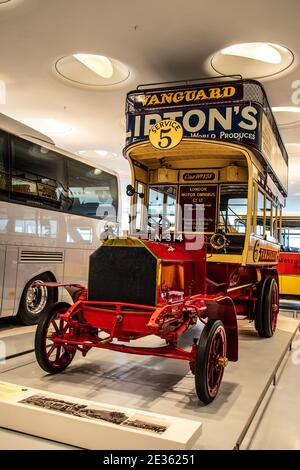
x=212, y=329
x=41, y=341
x=267, y=308
x=24, y=315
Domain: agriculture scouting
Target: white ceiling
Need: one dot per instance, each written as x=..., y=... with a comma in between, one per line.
x=158, y=40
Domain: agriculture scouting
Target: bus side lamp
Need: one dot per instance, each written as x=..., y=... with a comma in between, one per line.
x=130, y=191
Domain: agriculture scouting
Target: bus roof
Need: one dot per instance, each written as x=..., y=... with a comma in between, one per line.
x=12, y=126
x=19, y=129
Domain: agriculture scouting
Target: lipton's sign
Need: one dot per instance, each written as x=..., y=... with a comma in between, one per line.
x=190, y=96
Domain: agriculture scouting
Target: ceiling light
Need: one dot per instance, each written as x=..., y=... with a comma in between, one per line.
x=48, y=126
x=251, y=60
x=99, y=64
x=91, y=70
x=285, y=109
x=102, y=153
x=98, y=153
x=256, y=51
x=287, y=115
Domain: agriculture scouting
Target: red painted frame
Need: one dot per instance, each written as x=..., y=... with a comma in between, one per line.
x=126, y=322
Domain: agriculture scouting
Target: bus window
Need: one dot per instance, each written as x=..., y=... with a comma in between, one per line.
x=139, y=207
x=269, y=224
x=37, y=173
x=253, y=213
x=162, y=206
x=260, y=213
x=275, y=222
x=233, y=209
x=291, y=238
x=279, y=225
x=93, y=192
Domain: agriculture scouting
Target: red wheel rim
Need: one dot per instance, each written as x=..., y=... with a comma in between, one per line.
x=274, y=306
x=215, y=371
x=58, y=354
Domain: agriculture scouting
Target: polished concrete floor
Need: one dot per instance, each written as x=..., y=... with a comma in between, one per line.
x=164, y=386
x=279, y=424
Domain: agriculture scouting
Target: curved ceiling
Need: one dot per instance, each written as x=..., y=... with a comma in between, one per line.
x=159, y=41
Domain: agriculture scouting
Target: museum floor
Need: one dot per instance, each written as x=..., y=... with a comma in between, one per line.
x=164, y=386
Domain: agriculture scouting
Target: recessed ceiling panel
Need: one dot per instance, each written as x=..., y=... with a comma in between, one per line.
x=252, y=60
x=91, y=70
x=287, y=116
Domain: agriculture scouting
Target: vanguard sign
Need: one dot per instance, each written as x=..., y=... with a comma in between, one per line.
x=190, y=96
x=234, y=123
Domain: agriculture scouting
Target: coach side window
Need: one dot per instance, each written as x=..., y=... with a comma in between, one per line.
x=37, y=174
x=260, y=214
x=94, y=192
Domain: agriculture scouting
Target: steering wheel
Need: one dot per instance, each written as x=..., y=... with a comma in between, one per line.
x=159, y=221
x=218, y=241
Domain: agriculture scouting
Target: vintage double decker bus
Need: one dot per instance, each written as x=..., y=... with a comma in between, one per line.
x=209, y=178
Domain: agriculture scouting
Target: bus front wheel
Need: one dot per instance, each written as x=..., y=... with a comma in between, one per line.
x=211, y=360
x=35, y=300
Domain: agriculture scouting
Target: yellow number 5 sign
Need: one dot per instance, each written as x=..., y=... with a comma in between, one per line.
x=166, y=134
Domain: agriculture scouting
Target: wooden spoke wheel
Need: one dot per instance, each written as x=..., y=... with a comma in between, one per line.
x=267, y=308
x=211, y=360
x=53, y=356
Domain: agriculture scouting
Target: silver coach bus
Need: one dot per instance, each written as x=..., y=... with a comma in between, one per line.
x=53, y=208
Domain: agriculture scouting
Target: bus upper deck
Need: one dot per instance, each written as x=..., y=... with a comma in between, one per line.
x=213, y=144
x=235, y=111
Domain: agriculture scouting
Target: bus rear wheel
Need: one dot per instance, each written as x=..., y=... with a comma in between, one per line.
x=35, y=300
x=53, y=357
x=211, y=360
x=267, y=308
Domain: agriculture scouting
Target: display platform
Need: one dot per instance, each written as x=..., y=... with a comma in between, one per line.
x=15, y=340
x=91, y=425
x=291, y=306
x=164, y=386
